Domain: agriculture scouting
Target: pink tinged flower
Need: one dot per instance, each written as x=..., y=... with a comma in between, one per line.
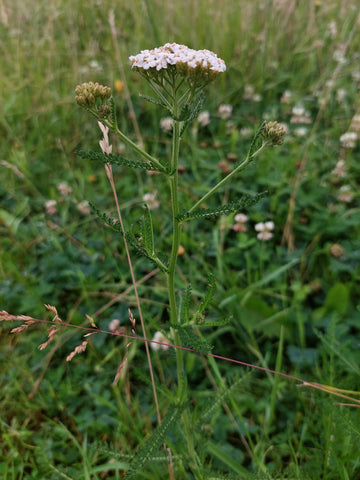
x=50, y=207
x=84, y=207
x=114, y=325
x=64, y=188
x=340, y=169
x=240, y=220
x=104, y=143
x=265, y=230
x=345, y=194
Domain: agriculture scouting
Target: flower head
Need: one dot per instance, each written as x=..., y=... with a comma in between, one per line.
x=265, y=230
x=348, y=139
x=273, y=133
x=240, y=219
x=225, y=111
x=197, y=66
x=151, y=201
x=184, y=58
x=159, y=337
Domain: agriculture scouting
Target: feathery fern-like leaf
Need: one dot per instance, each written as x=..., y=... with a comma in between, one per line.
x=256, y=141
x=116, y=160
x=145, y=451
x=190, y=340
x=244, y=202
x=184, y=306
x=148, y=232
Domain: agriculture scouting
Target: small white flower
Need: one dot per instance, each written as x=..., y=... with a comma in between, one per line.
x=64, y=188
x=340, y=169
x=225, y=111
x=159, y=337
x=240, y=220
x=166, y=124
x=151, y=201
x=204, y=118
x=300, y=132
x=348, y=139
x=345, y=194
x=339, y=57
x=179, y=55
x=114, y=325
x=265, y=230
x=341, y=95
x=84, y=207
x=50, y=207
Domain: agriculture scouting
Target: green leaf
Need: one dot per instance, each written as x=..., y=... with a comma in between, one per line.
x=256, y=141
x=145, y=451
x=148, y=232
x=244, y=202
x=190, y=340
x=184, y=306
x=337, y=299
x=116, y=160
x=152, y=100
x=209, y=294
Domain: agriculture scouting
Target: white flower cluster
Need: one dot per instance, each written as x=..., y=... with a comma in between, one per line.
x=174, y=54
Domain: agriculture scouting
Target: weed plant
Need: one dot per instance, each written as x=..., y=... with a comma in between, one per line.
x=288, y=303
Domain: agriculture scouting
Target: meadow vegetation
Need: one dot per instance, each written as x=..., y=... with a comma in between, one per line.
x=286, y=271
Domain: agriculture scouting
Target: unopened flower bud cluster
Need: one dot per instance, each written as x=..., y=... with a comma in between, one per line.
x=274, y=132
x=87, y=94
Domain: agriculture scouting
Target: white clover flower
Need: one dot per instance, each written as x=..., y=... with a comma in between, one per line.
x=84, y=207
x=332, y=29
x=348, y=139
x=300, y=115
x=286, y=97
x=300, y=132
x=355, y=123
x=341, y=95
x=345, y=194
x=204, y=118
x=225, y=111
x=240, y=219
x=184, y=58
x=50, y=207
x=64, y=188
x=339, y=57
x=166, y=124
x=249, y=92
x=340, y=169
x=159, y=337
x=151, y=201
x=114, y=325
x=265, y=230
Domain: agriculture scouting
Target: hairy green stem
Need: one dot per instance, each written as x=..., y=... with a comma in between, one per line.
x=227, y=178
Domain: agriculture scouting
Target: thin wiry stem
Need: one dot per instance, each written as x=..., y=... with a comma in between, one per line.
x=112, y=183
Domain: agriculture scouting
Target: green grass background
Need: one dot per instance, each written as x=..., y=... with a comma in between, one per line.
x=293, y=306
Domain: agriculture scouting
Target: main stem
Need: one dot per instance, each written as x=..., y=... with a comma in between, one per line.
x=176, y=226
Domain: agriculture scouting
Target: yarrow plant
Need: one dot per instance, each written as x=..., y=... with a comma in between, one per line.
x=177, y=76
